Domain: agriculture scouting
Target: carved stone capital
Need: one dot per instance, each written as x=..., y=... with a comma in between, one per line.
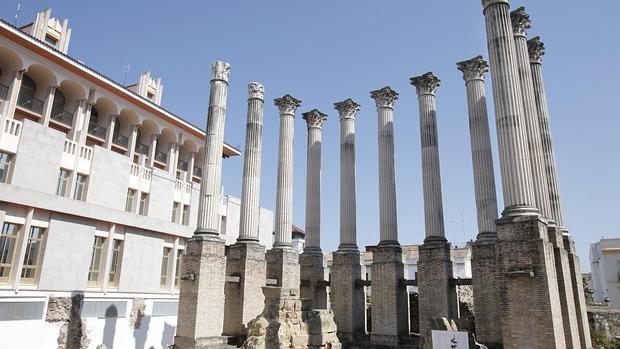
x=314, y=118
x=473, y=69
x=287, y=104
x=520, y=22
x=536, y=49
x=220, y=71
x=256, y=91
x=347, y=108
x=487, y=3
x=425, y=84
x=385, y=97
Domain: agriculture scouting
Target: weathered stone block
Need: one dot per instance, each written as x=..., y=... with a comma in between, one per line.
x=312, y=273
x=347, y=298
x=283, y=266
x=578, y=292
x=486, y=294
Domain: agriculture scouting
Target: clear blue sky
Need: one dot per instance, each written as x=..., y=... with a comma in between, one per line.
x=325, y=51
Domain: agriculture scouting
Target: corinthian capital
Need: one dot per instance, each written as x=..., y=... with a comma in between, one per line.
x=287, y=104
x=220, y=71
x=347, y=108
x=520, y=21
x=425, y=84
x=385, y=97
x=536, y=49
x=314, y=118
x=256, y=91
x=473, y=69
x=487, y=3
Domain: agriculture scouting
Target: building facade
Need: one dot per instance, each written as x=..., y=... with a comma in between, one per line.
x=99, y=191
x=605, y=267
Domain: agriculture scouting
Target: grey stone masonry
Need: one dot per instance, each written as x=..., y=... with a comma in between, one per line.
x=485, y=282
x=244, y=298
x=283, y=266
x=347, y=297
x=388, y=297
x=210, y=185
x=437, y=295
x=520, y=24
x=312, y=275
x=515, y=165
x=578, y=293
x=201, y=299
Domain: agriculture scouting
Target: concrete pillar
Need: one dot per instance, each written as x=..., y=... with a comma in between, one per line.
x=8, y=108
x=109, y=133
x=200, y=321
x=173, y=157
x=346, y=271
x=152, y=151
x=536, y=50
x=77, y=117
x=484, y=270
x=389, y=316
x=133, y=139
x=47, y=105
x=246, y=258
x=190, y=168
x=311, y=260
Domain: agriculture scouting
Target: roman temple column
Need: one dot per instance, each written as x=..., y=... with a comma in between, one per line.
x=311, y=260
x=346, y=270
x=282, y=260
x=389, y=316
x=536, y=50
x=245, y=265
x=484, y=268
x=437, y=296
x=528, y=284
x=201, y=300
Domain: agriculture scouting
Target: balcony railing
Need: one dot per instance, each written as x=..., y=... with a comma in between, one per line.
x=4, y=91
x=161, y=157
x=182, y=165
x=30, y=103
x=64, y=117
x=97, y=131
x=197, y=171
x=120, y=140
x=142, y=149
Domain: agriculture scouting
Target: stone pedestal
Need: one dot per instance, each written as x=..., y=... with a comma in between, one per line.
x=283, y=266
x=347, y=297
x=312, y=275
x=201, y=300
x=244, y=296
x=388, y=297
x=437, y=296
x=578, y=293
x=486, y=296
x=530, y=309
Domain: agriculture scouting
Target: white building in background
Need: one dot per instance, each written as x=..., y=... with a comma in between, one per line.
x=99, y=191
x=605, y=268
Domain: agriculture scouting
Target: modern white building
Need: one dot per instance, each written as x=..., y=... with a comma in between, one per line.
x=99, y=191
x=605, y=268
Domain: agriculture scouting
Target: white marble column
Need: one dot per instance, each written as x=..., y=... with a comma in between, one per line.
x=348, y=206
x=520, y=24
x=517, y=185
x=284, y=191
x=314, y=120
x=384, y=99
x=482, y=157
x=210, y=199
x=250, y=190
x=426, y=86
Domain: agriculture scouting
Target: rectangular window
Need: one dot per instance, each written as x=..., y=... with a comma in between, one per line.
x=50, y=40
x=175, y=212
x=115, y=266
x=163, y=278
x=63, y=181
x=5, y=165
x=32, y=258
x=95, y=262
x=8, y=240
x=144, y=204
x=131, y=199
x=186, y=214
x=177, y=270
x=80, y=187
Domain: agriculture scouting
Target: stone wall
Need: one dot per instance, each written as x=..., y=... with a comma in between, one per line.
x=604, y=326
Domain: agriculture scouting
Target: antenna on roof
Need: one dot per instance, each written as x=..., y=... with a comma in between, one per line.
x=126, y=70
x=17, y=13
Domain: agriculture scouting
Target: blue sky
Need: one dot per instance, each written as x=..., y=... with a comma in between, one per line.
x=325, y=51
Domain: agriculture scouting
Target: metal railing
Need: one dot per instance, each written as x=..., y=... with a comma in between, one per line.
x=142, y=148
x=4, y=91
x=97, y=131
x=64, y=117
x=161, y=156
x=182, y=165
x=28, y=102
x=121, y=140
x=197, y=171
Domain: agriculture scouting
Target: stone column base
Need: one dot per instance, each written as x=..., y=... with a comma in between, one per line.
x=217, y=342
x=578, y=292
x=347, y=295
x=436, y=294
x=201, y=299
x=312, y=277
x=486, y=295
x=244, y=298
x=388, y=297
x=528, y=288
x=283, y=266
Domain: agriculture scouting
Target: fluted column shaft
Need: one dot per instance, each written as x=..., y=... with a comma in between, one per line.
x=314, y=120
x=210, y=200
x=520, y=23
x=250, y=190
x=515, y=166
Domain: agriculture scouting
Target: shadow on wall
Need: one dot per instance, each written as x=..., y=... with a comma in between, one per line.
x=109, y=329
x=142, y=332
x=167, y=338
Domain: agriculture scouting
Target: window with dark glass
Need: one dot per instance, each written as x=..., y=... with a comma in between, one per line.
x=5, y=166
x=115, y=266
x=63, y=182
x=144, y=204
x=32, y=258
x=8, y=240
x=80, y=187
x=95, y=261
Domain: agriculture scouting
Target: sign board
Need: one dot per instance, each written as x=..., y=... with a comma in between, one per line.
x=450, y=340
